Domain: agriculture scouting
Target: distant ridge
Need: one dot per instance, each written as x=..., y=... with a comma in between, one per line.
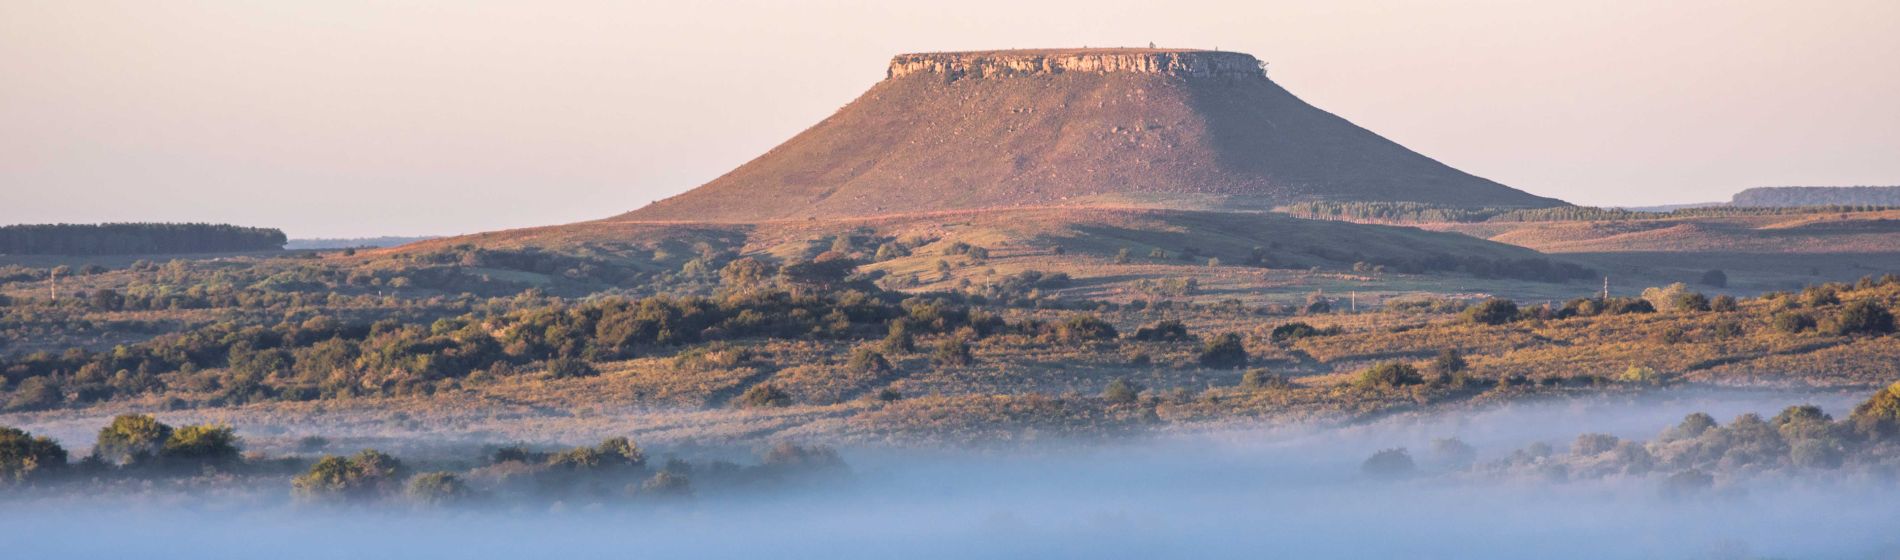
x=1156, y=128
x=1818, y=196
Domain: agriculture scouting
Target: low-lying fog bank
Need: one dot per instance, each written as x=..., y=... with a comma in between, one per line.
x=1255, y=493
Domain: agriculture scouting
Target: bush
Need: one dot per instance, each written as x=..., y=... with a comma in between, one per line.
x=1494, y=311
x=1258, y=378
x=1818, y=296
x=953, y=351
x=1297, y=330
x=369, y=475
x=1640, y=375
x=24, y=457
x=1722, y=304
x=437, y=489
x=1225, y=350
x=866, y=360
x=36, y=393
x=1162, y=331
x=131, y=439
x=1675, y=297
x=1389, y=374
x=1389, y=463
x=667, y=484
x=1084, y=328
x=1454, y=452
x=764, y=395
x=1792, y=322
x=567, y=368
x=202, y=444
x=1862, y=317
x=1692, y=426
x=1449, y=361
x=1878, y=418
x=1120, y=391
x=1689, y=301
x=1316, y=304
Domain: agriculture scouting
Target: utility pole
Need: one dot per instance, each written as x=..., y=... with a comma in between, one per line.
x=52, y=282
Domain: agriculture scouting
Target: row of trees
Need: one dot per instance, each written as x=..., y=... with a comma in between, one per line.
x=135, y=239
x=132, y=443
x=1428, y=213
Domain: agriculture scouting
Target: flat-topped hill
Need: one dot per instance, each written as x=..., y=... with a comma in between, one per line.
x=1162, y=128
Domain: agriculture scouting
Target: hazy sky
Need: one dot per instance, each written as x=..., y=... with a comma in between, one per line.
x=348, y=118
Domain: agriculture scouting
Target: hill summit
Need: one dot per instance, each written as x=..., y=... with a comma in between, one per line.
x=1158, y=128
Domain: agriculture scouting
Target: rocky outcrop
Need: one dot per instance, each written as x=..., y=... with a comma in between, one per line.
x=990, y=64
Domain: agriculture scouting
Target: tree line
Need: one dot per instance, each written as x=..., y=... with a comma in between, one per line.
x=136, y=239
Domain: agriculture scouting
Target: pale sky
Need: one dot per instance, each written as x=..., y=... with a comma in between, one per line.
x=357, y=118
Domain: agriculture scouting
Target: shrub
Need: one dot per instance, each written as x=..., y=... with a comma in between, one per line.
x=1297, y=330
x=1225, y=350
x=764, y=395
x=612, y=453
x=1878, y=417
x=1389, y=463
x=1862, y=317
x=1689, y=301
x=899, y=340
x=1454, y=452
x=131, y=439
x=866, y=360
x=1389, y=374
x=667, y=484
x=202, y=444
x=566, y=368
x=1792, y=322
x=622, y=451
x=1162, y=331
x=1691, y=427
x=1621, y=306
x=1640, y=375
x=437, y=488
x=369, y=475
x=1722, y=303
x=1120, y=391
x=1449, y=361
x=953, y=351
x=1084, y=328
x=1817, y=296
x=1674, y=297
x=1316, y=303
x=36, y=393
x=1258, y=378
x=1494, y=311
x=24, y=457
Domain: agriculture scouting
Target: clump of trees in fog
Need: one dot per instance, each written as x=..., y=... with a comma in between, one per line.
x=136, y=239
x=139, y=447
x=1699, y=450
